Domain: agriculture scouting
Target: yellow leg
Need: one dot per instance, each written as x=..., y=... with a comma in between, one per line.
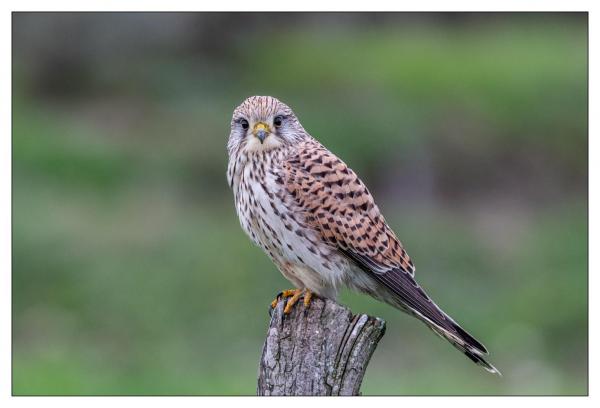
x=307, y=297
x=295, y=295
x=284, y=294
x=292, y=301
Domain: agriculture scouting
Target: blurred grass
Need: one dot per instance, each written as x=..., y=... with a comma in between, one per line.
x=131, y=274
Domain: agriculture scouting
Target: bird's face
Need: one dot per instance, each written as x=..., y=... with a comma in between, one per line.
x=263, y=123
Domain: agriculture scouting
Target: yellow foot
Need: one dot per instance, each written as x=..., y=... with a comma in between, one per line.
x=282, y=295
x=295, y=295
x=307, y=297
x=293, y=300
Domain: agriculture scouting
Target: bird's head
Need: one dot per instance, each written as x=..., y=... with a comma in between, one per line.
x=263, y=123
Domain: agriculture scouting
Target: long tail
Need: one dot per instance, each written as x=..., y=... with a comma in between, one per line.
x=398, y=288
x=405, y=294
x=464, y=342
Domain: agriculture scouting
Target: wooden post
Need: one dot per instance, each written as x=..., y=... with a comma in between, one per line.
x=320, y=350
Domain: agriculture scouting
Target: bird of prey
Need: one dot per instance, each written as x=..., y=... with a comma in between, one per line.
x=318, y=223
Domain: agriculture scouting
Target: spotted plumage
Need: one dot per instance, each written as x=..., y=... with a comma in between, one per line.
x=318, y=222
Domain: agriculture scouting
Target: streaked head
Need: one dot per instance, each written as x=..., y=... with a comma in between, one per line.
x=263, y=123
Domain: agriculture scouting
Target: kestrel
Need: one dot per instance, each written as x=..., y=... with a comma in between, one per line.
x=318, y=222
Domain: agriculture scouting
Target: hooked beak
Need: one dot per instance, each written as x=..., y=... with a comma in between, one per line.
x=261, y=131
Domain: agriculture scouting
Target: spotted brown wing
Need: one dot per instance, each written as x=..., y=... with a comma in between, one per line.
x=339, y=206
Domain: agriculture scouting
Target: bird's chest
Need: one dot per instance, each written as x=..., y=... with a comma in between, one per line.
x=272, y=218
x=261, y=210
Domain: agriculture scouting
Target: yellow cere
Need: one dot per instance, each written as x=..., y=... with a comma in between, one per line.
x=261, y=126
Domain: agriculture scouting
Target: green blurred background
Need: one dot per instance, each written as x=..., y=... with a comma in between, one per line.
x=131, y=274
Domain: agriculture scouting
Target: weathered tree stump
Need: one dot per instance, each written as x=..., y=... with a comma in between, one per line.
x=320, y=350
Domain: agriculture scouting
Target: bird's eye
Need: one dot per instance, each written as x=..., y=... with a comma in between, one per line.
x=244, y=123
x=277, y=121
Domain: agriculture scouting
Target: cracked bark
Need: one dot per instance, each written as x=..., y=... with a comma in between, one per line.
x=320, y=350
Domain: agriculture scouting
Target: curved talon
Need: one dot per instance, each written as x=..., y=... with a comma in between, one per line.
x=274, y=302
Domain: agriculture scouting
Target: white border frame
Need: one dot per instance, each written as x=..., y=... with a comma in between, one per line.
x=306, y=5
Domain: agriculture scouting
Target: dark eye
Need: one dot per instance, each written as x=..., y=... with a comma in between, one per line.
x=244, y=123
x=277, y=121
